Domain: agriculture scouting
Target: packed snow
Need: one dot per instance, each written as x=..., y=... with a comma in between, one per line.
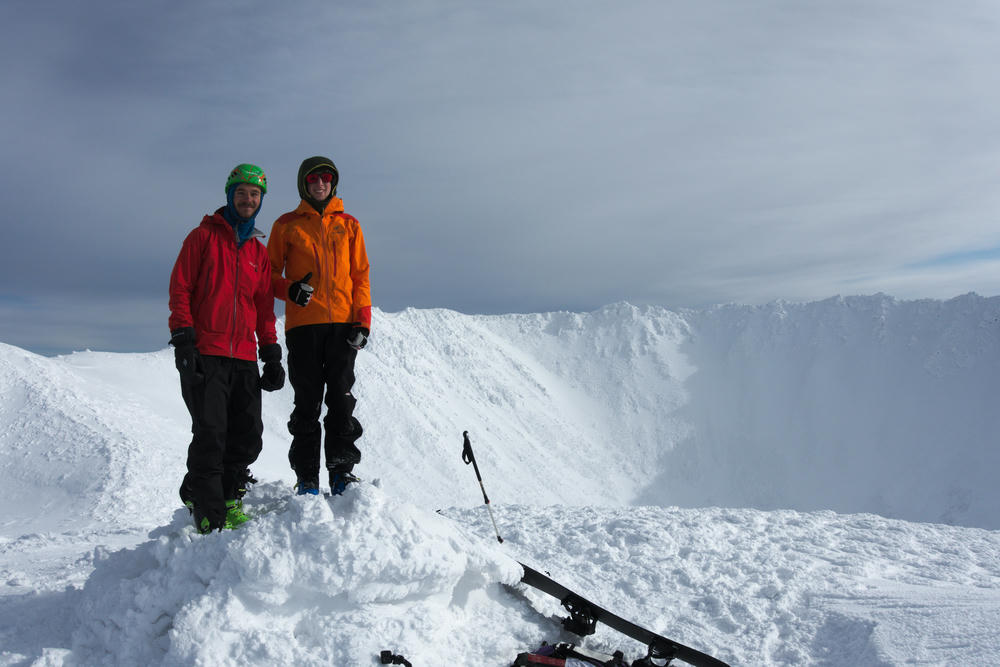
x=787, y=484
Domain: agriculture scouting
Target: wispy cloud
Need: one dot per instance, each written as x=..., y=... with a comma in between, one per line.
x=524, y=156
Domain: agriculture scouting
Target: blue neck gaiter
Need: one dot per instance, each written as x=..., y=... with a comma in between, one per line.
x=243, y=226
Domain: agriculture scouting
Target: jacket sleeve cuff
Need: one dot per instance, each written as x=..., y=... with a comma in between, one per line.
x=270, y=352
x=365, y=317
x=182, y=337
x=280, y=288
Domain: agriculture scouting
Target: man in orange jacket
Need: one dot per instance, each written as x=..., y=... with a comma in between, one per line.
x=221, y=316
x=319, y=266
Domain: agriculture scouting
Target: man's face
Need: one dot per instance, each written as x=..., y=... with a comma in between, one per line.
x=246, y=199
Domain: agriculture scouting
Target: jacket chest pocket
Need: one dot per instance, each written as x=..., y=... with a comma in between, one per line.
x=251, y=267
x=338, y=249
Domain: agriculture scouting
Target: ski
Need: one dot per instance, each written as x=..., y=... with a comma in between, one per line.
x=584, y=616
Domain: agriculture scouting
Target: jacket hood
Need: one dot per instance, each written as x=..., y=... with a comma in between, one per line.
x=312, y=164
x=219, y=219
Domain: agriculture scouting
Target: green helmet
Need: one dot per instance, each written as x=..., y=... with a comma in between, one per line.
x=250, y=174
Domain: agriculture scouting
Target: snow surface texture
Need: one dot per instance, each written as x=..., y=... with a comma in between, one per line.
x=843, y=435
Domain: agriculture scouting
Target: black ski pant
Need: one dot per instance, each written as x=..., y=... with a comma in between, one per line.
x=319, y=359
x=226, y=427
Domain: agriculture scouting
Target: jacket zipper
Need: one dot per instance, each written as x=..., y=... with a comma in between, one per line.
x=333, y=274
x=319, y=263
x=236, y=300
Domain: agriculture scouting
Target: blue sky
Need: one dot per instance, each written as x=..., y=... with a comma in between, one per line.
x=504, y=157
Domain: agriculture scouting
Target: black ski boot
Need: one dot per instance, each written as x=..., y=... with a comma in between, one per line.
x=339, y=479
x=307, y=486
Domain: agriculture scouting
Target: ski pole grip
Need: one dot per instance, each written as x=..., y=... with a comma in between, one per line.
x=389, y=658
x=467, y=454
x=469, y=457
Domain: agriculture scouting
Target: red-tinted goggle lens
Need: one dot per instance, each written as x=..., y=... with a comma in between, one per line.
x=325, y=176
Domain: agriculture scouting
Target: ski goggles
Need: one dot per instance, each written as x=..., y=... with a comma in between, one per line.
x=324, y=176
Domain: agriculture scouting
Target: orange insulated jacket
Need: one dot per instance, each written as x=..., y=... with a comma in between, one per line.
x=332, y=248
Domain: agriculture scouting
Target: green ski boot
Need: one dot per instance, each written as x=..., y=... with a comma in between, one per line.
x=202, y=523
x=234, y=514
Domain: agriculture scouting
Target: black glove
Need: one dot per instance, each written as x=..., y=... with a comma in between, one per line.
x=273, y=377
x=301, y=291
x=358, y=337
x=186, y=357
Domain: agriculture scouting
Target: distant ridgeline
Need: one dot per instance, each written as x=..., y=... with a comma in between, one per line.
x=857, y=404
x=860, y=404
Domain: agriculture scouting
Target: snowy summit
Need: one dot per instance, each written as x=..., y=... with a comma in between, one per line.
x=789, y=484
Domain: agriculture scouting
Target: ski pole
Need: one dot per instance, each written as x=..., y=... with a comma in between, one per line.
x=469, y=457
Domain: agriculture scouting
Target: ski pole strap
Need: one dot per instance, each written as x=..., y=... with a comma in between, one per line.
x=388, y=658
x=468, y=456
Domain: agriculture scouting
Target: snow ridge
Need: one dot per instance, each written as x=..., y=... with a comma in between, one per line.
x=860, y=404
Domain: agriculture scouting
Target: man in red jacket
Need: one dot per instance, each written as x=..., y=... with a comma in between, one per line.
x=221, y=310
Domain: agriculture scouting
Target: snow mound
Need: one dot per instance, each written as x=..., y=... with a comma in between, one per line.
x=292, y=586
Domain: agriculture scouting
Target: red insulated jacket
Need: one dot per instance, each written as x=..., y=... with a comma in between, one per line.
x=223, y=291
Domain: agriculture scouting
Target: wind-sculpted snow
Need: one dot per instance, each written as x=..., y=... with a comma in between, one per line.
x=864, y=404
x=608, y=442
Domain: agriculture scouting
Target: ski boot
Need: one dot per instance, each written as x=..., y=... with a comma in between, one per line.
x=339, y=479
x=307, y=486
x=234, y=514
x=202, y=523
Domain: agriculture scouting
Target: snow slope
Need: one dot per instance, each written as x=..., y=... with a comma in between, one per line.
x=861, y=404
x=609, y=443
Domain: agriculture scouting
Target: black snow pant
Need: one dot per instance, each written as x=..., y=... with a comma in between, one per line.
x=226, y=427
x=319, y=358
